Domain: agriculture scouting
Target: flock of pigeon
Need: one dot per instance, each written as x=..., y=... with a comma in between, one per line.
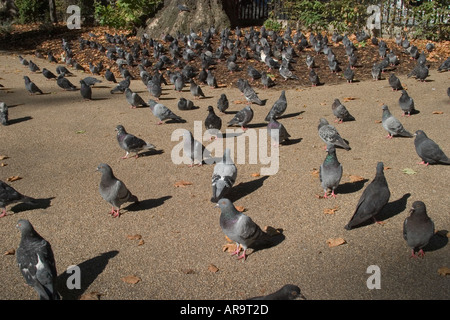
x=34, y=254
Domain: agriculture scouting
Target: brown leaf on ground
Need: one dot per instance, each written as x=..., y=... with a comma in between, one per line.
x=271, y=231
x=182, y=183
x=256, y=174
x=240, y=208
x=10, y=252
x=378, y=121
x=134, y=237
x=213, y=268
x=130, y=279
x=335, y=242
x=141, y=242
x=2, y=164
x=438, y=112
x=347, y=99
x=3, y=157
x=188, y=271
x=331, y=210
x=94, y=295
x=354, y=178
x=13, y=178
x=315, y=172
x=229, y=247
x=444, y=271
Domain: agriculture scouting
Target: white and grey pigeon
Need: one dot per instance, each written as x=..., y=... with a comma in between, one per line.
x=9, y=195
x=194, y=149
x=223, y=177
x=162, y=112
x=330, y=135
x=392, y=125
x=242, y=118
x=418, y=228
x=330, y=172
x=287, y=292
x=277, y=132
x=31, y=86
x=340, y=112
x=196, y=90
x=36, y=261
x=4, y=114
x=240, y=228
x=428, y=150
x=113, y=190
x=394, y=82
x=278, y=108
x=250, y=95
x=130, y=143
x=286, y=73
x=134, y=99
x=406, y=103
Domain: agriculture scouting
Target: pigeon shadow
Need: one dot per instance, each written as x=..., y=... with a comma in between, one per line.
x=351, y=187
x=147, y=204
x=291, y=141
x=42, y=203
x=437, y=241
x=19, y=120
x=245, y=188
x=257, y=125
x=231, y=135
x=89, y=270
x=150, y=153
x=268, y=242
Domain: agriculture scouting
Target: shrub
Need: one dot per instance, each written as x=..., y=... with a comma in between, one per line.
x=32, y=10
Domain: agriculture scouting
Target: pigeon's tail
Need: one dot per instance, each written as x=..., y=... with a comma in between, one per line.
x=133, y=198
x=405, y=133
x=149, y=146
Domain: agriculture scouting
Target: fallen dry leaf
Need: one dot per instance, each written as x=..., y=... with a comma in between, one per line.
x=3, y=157
x=134, y=237
x=3, y=164
x=182, y=183
x=131, y=279
x=443, y=271
x=228, y=239
x=10, y=252
x=94, y=295
x=335, y=242
x=331, y=210
x=271, y=231
x=256, y=174
x=141, y=242
x=229, y=247
x=347, y=99
x=315, y=172
x=354, y=178
x=213, y=268
x=438, y=112
x=188, y=271
x=13, y=178
x=240, y=208
x=378, y=121
x=238, y=102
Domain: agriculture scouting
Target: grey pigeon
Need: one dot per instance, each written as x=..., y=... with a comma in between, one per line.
x=330, y=172
x=36, y=261
x=314, y=78
x=266, y=81
x=212, y=121
x=420, y=72
x=31, y=86
x=130, y=143
x=392, y=125
x=196, y=90
x=395, y=83
x=253, y=73
x=134, y=99
x=373, y=199
x=330, y=135
x=223, y=177
x=113, y=190
x=154, y=88
x=33, y=67
x=428, y=150
x=418, y=228
x=376, y=72
x=406, y=103
x=48, y=74
x=179, y=83
x=121, y=86
x=85, y=90
x=63, y=70
x=242, y=118
x=277, y=132
x=444, y=66
x=162, y=112
x=211, y=79
x=240, y=228
x=65, y=83
x=287, y=292
x=4, y=114
x=250, y=94
x=91, y=81
x=340, y=112
x=110, y=76
x=310, y=61
x=222, y=103
x=9, y=195
x=185, y=104
x=349, y=74
x=286, y=73
x=278, y=108
x=193, y=149
x=23, y=61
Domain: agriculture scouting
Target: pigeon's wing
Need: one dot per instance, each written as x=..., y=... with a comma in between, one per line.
x=430, y=151
x=132, y=142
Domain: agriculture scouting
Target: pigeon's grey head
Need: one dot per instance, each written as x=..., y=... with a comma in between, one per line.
x=120, y=129
x=292, y=292
x=322, y=122
x=418, y=207
x=331, y=148
x=385, y=107
x=26, y=78
x=420, y=134
x=210, y=109
x=224, y=203
x=103, y=168
x=380, y=167
x=24, y=226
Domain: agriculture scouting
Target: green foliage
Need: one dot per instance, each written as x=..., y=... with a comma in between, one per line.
x=31, y=10
x=273, y=25
x=124, y=13
x=430, y=17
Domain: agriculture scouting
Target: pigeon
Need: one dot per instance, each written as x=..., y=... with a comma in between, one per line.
x=444, y=66
x=222, y=103
x=310, y=61
x=250, y=94
x=330, y=172
x=33, y=67
x=31, y=86
x=131, y=143
x=211, y=79
x=287, y=292
x=185, y=104
x=212, y=121
x=429, y=46
x=232, y=66
x=340, y=112
x=179, y=83
x=266, y=81
x=376, y=72
x=392, y=125
x=155, y=89
x=349, y=74
x=48, y=74
x=406, y=103
x=85, y=90
x=4, y=114
x=162, y=112
x=223, y=177
x=23, y=61
x=94, y=69
x=242, y=118
x=113, y=190
x=110, y=76
x=65, y=83
x=373, y=199
x=428, y=150
x=314, y=78
x=418, y=228
x=334, y=66
x=420, y=72
x=253, y=73
x=183, y=8
x=286, y=73
x=278, y=108
x=134, y=99
x=239, y=228
x=193, y=149
x=330, y=135
x=9, y=195
x=63, y=70
x=395, y=83
x=121, y=86
x=91, y=81
x=277, y=132
x=36, y=261
x=196, y=90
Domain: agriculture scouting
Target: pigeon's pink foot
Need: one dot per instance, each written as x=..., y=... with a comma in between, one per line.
x=389, y=136
x=421, y=254
x=333, y=194
x=242, y=256
x=3, y=213
x=238, y=249
x=424, y=163
x=116, y=214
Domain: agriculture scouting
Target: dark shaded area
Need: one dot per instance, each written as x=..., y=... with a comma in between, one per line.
x=350, y=187
x=42, y=203
x=245, y=188
x=147, y=204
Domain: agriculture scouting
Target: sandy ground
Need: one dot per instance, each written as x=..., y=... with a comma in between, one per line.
x=56, y=141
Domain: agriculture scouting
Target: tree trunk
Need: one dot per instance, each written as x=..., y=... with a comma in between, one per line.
x=52, y=7
x=201, y=14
